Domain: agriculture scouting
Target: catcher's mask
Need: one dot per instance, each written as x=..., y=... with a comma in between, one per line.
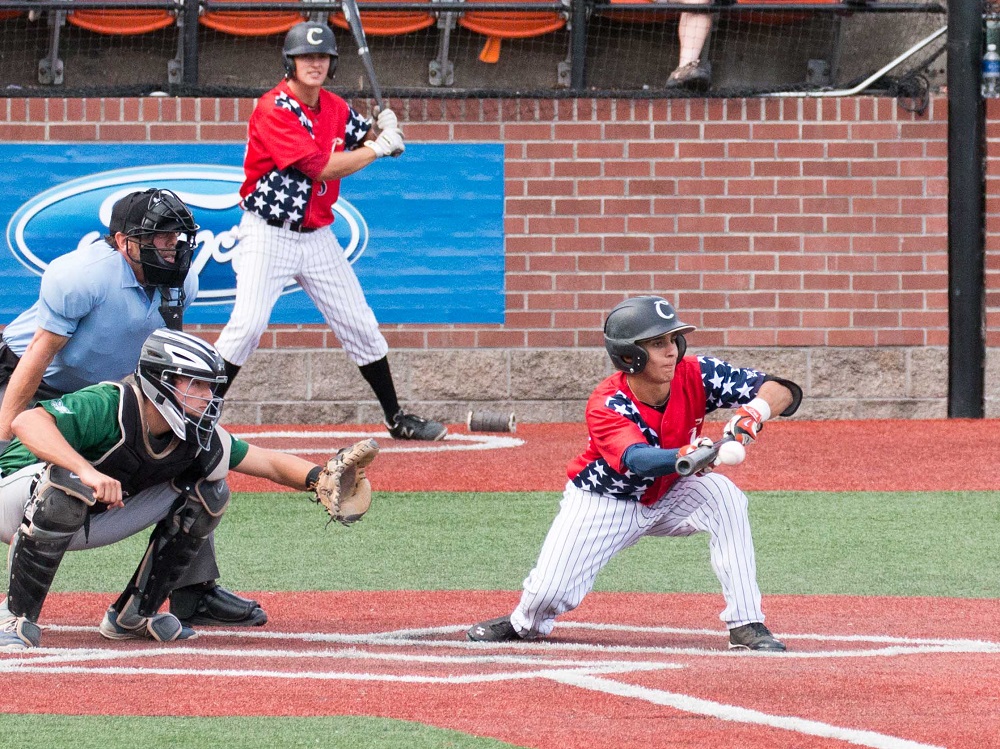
x=169, y=354
x=143, y=215
x=640, y=319
x=309, y=38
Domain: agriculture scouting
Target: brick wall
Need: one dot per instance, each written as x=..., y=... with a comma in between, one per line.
x=809, y=236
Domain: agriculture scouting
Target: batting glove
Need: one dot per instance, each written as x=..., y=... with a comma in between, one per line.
x=388, y=143
x=699, y=442
x=387, y=120
x=748, y=421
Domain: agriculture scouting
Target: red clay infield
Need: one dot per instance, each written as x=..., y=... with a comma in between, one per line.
x=932, y=455
x=624, y=670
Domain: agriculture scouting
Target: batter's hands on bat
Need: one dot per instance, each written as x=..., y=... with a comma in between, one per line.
x=388, y=143
x=387, y=120
x=745, y=425
x=698, y=443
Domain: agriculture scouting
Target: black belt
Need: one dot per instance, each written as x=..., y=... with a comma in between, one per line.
x=291, y=225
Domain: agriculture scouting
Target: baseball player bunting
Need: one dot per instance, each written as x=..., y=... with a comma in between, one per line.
x=302, y=141
x=624, y=485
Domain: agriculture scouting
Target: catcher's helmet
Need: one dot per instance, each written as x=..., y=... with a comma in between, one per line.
x=167, y=354
x=641, y=319
x=140, y=215
x=309, y=38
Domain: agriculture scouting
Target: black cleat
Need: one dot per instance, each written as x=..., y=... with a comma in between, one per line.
x=406, y=426
x=494, y=630
x=215, y=607
x=754, y=636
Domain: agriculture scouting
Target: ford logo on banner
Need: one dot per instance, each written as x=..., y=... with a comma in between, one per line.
x=75, y=207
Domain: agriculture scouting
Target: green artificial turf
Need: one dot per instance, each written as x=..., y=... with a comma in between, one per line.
x=117, y=732
x=853, y=543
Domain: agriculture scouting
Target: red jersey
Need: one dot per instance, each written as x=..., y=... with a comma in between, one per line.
x=289, y=144
x=616, y=420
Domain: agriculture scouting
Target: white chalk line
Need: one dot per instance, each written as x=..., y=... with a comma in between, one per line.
x=733, y=713
x=451, y=443
x=583, y=674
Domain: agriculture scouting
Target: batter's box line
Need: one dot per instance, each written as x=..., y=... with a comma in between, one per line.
x=451, y=443
x=898, y=646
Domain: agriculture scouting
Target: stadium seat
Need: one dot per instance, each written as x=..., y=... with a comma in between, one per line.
x=123, y=22
x=496, y=26
x=251, y=23
x=387, y=22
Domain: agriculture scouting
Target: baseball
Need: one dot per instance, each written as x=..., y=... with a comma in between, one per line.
x=732, y=453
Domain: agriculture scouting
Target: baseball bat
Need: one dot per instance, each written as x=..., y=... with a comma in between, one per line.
x=353, y=17
x=699, y=459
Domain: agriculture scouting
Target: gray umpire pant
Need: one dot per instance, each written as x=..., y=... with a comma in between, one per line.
x=140, y=512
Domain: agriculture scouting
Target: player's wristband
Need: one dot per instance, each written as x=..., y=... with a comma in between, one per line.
x=762, y=407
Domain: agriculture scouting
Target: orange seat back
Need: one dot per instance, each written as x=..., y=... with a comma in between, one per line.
x=251, y=23
x=513, y=25
x=387, y=22
x=120, y=22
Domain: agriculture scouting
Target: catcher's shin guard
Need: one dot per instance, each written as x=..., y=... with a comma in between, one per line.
x=174, y=543
x=58, y=509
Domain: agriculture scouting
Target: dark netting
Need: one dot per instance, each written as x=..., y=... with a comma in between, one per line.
x=447, y=48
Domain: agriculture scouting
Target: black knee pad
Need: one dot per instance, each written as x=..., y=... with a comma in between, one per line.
x=204, y=503
x=59, y=504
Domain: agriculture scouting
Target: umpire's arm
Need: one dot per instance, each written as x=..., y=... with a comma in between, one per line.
x=27, y=376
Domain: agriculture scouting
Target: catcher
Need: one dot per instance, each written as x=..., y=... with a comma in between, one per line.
x=101, y=464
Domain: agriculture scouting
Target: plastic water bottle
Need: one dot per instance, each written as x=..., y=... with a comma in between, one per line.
x=991, y=72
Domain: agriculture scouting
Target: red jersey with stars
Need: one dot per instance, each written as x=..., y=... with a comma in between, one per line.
x=289, y=145
x=617, y=419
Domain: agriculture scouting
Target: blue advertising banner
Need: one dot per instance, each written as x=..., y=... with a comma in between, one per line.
x=424, y=232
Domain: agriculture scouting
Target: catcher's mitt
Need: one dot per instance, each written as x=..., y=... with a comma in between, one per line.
x=342, y=487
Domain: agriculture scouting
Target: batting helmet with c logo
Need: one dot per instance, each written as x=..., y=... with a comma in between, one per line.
x=636, y=320
x=309, y=38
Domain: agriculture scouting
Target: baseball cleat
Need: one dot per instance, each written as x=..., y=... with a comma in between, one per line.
x=215, y=607
x=159, y=627
x=494, y=630
x=17, y=633
x=754, y=636
x=406, y=426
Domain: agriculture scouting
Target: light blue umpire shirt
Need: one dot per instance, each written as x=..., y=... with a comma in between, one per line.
x=91, y=296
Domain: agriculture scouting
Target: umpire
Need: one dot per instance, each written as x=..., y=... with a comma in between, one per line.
x=96, y=307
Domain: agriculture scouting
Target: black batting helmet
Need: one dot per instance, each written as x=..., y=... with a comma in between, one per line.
x=641, y=319
x=140, y=215
x=309, y=38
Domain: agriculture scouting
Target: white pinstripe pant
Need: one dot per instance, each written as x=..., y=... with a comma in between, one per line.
x=591, y=528
x=267, y=259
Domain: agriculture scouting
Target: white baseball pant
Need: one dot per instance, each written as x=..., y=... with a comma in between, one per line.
x=267, y=259
x=141, y=511
x=591, y=528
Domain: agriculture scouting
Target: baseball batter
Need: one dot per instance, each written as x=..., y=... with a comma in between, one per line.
x=624, y=486
x=302, y=141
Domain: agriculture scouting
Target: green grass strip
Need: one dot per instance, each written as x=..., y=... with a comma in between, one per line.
x=814, y=543
x=86, y=732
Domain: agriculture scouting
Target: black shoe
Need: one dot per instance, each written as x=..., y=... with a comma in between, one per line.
x=754, y=636
x=215, y=607
x=694, y=76
x=494, y=630
x=406, y=426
